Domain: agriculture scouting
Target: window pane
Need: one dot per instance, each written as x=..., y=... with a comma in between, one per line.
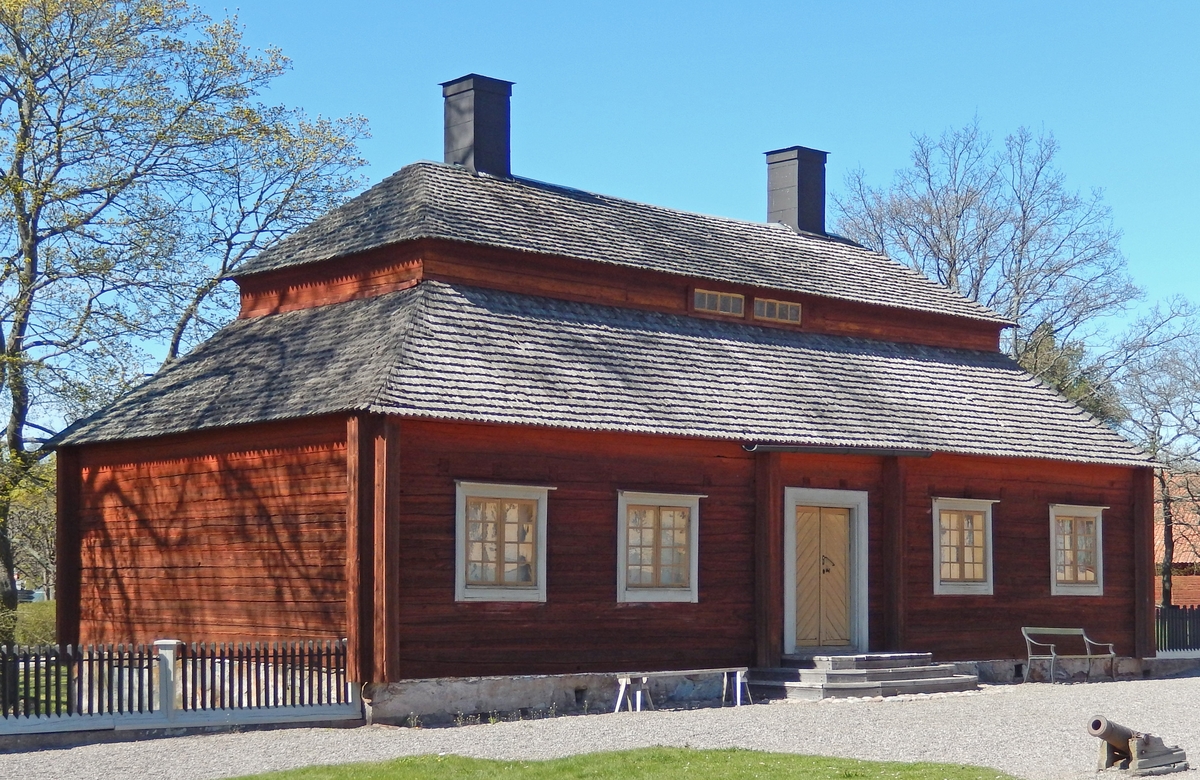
x=780, y=311
x=719, y=303
x=657, y=546
x=673, y=577
x=962, y=542
x=520, y=573
x=1076, y=552
x=501, y=530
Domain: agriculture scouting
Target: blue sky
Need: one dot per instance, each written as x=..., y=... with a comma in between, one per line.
x=673, y=103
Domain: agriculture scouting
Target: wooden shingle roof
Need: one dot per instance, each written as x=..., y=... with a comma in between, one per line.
x=463, y=353
x=432, y=200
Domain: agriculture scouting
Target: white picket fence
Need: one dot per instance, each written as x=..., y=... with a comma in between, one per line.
x=173, y=685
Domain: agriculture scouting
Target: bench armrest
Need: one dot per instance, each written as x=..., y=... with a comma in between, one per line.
x=1029, y=643
x=1093, y=643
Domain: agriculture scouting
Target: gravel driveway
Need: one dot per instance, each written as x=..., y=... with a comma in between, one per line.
x=1035, y=731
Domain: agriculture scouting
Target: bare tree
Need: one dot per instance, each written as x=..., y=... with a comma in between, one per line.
x=119, y=119
x=1000, y=225
x=1161, y=394
x=252, y=191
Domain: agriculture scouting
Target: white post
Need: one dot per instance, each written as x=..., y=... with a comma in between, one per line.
x=167, y=650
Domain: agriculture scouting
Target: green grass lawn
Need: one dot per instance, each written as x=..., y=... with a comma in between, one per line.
x=656, y=763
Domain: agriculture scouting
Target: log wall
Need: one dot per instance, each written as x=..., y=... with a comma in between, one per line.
x=580, y=626
x=978, y=627
x=221, y=536
x=394, y=268
x=242, y=534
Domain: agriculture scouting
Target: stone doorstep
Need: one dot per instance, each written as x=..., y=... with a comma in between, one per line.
x=873, y=661
x=858, y=661
x=812, y=691
x=853, y=675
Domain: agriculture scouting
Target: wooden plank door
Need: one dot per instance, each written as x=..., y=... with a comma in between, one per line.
x=835, y=576
x=808, y=576
x=822, y=576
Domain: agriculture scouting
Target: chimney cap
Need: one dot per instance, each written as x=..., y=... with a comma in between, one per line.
x=793, y=153
x=476, y=82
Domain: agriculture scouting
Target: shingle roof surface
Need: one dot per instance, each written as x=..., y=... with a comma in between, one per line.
x=431, y=200
x=463, y=353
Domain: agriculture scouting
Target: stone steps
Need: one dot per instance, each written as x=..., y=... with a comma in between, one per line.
x=869, y=674
x=858, y=661
x=793, y=674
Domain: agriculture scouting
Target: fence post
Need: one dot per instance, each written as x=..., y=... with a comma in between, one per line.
x=167, y=650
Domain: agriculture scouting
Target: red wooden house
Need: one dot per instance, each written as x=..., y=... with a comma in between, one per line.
x=481, y=424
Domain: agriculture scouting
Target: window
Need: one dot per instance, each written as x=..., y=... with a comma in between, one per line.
x=1076, y=562
x=779, y=311
x=657, y=549
x=962, y=546
x=501, y=542
x=720, y=303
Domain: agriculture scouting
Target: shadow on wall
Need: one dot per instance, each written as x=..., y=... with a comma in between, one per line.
x=236, y=546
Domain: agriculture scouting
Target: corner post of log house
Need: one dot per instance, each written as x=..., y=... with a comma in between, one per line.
x=68, y=542
x=768, y=557
x=387, y=550
x=360, y=541
x=1143, y=562
x=894, y=563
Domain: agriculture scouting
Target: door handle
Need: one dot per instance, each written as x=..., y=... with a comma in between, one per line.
x=828, y=564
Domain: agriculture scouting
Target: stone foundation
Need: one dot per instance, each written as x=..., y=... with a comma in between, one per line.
x=1075, y=670
x=449, y=699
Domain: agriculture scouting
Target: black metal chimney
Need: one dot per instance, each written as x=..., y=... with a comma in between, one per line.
x=796, y=188
x=477, y=123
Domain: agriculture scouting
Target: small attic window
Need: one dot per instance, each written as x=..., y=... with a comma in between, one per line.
x=778, y=311
x=720, y=303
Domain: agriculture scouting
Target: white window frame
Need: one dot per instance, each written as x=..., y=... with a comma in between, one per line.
x=464, y=592
x=1077, y=588
x=985, y=588
x=625, y=594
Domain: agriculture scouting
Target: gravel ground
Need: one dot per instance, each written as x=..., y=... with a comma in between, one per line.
x=1032, y=731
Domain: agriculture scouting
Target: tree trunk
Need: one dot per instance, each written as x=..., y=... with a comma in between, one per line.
x=8, y=589
x=1164, y=489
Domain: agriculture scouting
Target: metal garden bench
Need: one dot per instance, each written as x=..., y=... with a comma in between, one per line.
x=1047, y=651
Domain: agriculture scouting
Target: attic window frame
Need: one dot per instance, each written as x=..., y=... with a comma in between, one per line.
x=732, y=296
x=779, y=305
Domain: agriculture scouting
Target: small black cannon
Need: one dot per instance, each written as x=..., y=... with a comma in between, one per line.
x=1142, y=754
